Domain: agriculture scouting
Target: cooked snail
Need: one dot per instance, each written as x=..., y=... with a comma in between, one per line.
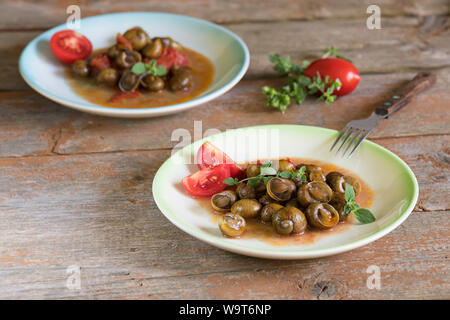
x=280, y=189
x=289, y=220
x=252, y=170
x=247, y=208
x=322, y=215
x=137, y=37
x=314, y=192
x=129, y=81
x=268, y=210
x=232, y=225
x=245, y=191
x=223, y=201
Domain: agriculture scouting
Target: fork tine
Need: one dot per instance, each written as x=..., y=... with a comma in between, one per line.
x=356, y=134
x=341, y=133
x=365, y=134
x=345, y=139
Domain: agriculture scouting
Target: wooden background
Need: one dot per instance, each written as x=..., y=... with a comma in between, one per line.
x=75, y=189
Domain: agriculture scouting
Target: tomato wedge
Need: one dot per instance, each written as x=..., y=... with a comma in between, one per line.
x=100, y=62
x=207, y=182
x=171, y=57
x=69, y=46
x=208, y=155
x=120, y=39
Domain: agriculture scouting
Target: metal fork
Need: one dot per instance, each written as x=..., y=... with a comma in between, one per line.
x=356, y=131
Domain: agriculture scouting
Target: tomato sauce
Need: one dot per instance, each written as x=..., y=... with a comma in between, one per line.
x=256, y=229
x=202, y=77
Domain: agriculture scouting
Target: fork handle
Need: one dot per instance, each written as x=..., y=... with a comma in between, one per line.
x=401, y=97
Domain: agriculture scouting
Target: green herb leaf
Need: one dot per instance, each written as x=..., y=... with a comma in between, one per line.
x=266, y=164
x=155, y=70
x=330, y=52
x=276, y=99
x=138, y=68
x=299, y=174
x=266, y=180
x=267, y=171
x=160, y=71
x=255, y=181
x=231, y=181
x=349, y=193
x=364, y=215
x=282, y=65
x=285, y=174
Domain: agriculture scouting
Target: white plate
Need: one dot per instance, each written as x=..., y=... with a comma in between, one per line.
x=394, y=184
x=228, y=53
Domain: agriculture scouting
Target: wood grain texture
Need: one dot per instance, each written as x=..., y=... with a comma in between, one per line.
x=32, y=125
x=403, y=44
x=75, y=189
x=96, y=211
x=32, y=14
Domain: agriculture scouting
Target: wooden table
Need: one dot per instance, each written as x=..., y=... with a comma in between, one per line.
x=75, y=189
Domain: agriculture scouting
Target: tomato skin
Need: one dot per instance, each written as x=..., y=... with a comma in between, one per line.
x=69, y=46
x=124, y=95
x=336, y=68
x=100, y=62
x=208, y=155
x=171, y=57
x=120, y=39
x=207, y=182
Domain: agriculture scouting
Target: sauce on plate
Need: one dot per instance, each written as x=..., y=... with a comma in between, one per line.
x=202, y=76
x=256, y=229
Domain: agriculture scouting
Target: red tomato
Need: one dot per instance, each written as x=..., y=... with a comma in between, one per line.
x=207, y=182
x=208, y=155
x=124, y=95
x=171, y=57
x=336, y=68
x=69, y=46
x=120, y=39
x=100, y=62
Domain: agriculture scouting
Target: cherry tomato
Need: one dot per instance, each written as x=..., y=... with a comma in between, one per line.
x=336, y=68
x=69, y=46
x=120, y=39
x=207, y=182
x=171, y=57
x=208, y=155
x=100, y=61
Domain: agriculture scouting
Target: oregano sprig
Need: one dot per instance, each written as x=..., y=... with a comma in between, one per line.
x=298, y=85
x=351, y=207
x=150, y=68
x=266, y=173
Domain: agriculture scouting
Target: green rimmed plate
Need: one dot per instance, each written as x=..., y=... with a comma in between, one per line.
x=394, y=184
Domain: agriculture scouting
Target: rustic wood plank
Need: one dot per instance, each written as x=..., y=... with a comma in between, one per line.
x=96, y=211
x=30, y=14
x=401, y=45
x=32, y=125
x=412, y=260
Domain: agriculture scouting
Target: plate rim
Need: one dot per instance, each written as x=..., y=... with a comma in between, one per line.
x=288, y=255
x=136, y=112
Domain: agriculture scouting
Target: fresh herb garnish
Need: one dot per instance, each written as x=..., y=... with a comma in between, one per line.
x=231, y=181
x=363, y=215
x=333, y=52
x=298, y=85
x=150, y=68
x=267, y=172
